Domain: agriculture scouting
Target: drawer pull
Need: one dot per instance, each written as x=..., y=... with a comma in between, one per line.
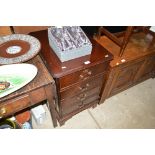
x=3, y=111
x=81, y=76
x=85, y=75
x=81, y=97
x=80, y=104
x=85, y=87
x=89, y=73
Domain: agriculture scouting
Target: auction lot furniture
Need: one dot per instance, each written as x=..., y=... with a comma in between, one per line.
x=78, y=81
x=41, y=88
x=136, y=65
x=121, y=43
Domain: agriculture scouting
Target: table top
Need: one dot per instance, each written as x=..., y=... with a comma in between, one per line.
x=58, y=68
x=42, y=79
x=140, y=45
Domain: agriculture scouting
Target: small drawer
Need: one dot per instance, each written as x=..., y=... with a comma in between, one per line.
x=83, y=87
x=82, y=75
x=74, y=103
x=15, y=105
x=78, y=105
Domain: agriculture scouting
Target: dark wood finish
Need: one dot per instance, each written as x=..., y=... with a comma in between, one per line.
x=82, y=86
x=97, y=56
x=73, y=104
x=139, y=64
x=28, y=29
x=38, y=90
x=78, y=84
x=82, y=75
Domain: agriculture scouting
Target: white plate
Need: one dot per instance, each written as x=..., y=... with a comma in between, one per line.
x=18, y=75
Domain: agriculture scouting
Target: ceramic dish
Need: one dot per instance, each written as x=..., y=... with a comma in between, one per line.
x=17, y=75
x=17, y=48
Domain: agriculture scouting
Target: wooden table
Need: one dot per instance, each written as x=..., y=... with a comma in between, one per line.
x=41, y=88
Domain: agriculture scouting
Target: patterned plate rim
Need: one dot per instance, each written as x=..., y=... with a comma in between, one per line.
x=35, y=47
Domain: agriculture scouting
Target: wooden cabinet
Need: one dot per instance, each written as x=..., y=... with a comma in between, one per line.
x=78, y=84
x=125, y=77
x=138, y=64
x=147, y=69
x=84, y=92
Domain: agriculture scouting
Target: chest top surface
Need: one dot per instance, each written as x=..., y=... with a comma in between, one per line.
x=59, y=69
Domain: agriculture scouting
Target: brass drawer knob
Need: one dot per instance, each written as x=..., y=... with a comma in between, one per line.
x=89, y=73
x=82, y=97
x=85, y=87
x=2, y=111
x=81, y=76
x=80, y=104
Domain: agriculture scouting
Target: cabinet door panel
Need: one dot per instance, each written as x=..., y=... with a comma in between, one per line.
x=147, y=68
x=126, y=76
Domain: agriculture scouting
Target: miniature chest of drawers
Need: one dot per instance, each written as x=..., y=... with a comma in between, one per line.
x=78, y=81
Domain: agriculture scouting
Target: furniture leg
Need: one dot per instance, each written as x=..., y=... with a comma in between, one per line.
x=50, y=99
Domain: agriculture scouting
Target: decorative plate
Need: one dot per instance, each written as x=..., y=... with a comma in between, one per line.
x=17, y=48
x=15, y=76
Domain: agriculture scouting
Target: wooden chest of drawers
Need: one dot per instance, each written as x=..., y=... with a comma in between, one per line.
x=78, y=81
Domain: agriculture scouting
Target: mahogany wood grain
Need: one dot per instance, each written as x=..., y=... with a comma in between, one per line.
x=72, y=74
x=97, y=56
x=82, y=86
x=82, y=75
x=28, y=29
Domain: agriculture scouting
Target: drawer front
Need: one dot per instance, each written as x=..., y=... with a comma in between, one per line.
x=83, y=87
x=76, y=106
x=10, y=107
x=82, y=75
x=74, y=103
